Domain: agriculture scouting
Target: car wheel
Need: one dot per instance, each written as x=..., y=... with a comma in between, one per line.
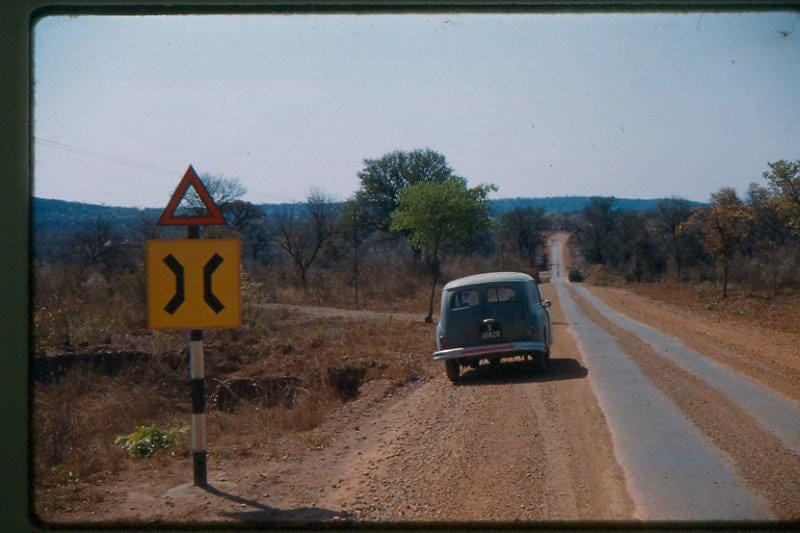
x=452, y=370
x=540, y=363
x=546, y=347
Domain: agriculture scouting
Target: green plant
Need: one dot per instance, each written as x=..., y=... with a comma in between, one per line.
x=575, y=275
x=146, y=440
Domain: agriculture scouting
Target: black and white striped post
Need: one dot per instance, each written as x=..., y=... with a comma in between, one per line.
x=198, y=379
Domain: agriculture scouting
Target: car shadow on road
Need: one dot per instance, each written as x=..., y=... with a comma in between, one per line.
x=518, y=371
x=264, y=514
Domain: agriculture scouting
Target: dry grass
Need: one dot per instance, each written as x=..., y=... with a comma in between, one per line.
x=77, y=417
x=753, y=307
x=388, y=282
x=750, y=307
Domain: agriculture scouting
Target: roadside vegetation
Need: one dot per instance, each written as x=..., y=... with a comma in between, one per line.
x=99, y=375
x=737, y=256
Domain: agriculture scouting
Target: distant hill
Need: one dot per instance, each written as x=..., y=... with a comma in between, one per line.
x=51, y=218
x=572, y=204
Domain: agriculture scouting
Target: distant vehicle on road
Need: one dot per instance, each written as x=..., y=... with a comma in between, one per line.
x=492, y=316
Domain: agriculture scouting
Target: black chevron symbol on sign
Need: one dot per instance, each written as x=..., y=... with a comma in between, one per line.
x=208, y=295
x=177, y=299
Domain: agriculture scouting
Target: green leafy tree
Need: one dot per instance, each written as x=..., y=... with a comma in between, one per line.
x=784, y=181
x=634, y=248
x=524, y=228
x=595, y=229
x=683, y=247
x=384, y=178
x=434, y=216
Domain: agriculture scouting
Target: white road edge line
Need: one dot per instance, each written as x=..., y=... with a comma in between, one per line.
x=673, y=472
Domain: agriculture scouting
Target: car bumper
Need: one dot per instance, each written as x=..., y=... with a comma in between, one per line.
x=490, y=349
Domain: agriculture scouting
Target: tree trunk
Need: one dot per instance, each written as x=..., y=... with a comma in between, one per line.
x=303, y=279
x=355, y=275
x=355, y=259
x=435, y=271
x=724, y=280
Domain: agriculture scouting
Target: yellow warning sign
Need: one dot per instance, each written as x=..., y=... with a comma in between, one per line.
x=193, y=283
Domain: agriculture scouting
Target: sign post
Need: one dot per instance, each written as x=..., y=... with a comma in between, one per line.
x=194, y=284
x=197, y=373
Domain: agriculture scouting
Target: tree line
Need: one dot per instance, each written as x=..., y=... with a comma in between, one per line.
x=411, y=218
x=752, y=240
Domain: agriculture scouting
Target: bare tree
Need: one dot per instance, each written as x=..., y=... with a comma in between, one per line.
x=225, y=192
x=302, y=235
x=146, y=224
x=97, y=245
x=239, y=214
x=355, y=232
x=725, y=224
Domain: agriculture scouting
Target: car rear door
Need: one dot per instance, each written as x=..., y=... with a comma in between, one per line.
x=505, y=309
x=464, y=317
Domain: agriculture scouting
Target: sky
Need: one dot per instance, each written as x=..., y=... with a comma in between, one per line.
x=629, y=105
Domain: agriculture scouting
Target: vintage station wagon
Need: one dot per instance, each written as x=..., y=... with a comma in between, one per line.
x=491, y=316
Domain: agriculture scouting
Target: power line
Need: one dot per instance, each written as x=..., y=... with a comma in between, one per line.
x=53, y=168
x=118, y=160
x=97, y=155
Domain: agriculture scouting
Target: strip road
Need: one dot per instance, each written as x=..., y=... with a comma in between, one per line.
x=673, y=471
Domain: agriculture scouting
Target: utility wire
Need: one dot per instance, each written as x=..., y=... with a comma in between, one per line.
x=120, y=161
x=53, y=168
x=96, y=155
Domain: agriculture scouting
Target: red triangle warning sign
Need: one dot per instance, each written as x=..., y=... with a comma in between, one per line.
x=169, y=218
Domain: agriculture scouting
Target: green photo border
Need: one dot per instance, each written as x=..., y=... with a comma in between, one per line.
x=17, y=19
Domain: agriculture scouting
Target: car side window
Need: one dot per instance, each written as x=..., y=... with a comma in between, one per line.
x=500, y=294
x=536, y=296
x=464, y=299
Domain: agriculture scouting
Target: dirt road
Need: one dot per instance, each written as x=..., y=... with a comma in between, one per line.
x=628, y=423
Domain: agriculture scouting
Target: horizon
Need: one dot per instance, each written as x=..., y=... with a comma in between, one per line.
x=616, y=198
x=647, y=105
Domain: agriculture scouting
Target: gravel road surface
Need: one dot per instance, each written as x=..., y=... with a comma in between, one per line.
x=631, y=422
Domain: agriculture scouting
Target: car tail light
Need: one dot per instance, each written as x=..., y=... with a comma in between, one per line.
x=442, y=342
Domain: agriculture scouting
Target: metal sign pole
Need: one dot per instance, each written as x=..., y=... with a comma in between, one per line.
x=169, y=263
x=198, y=379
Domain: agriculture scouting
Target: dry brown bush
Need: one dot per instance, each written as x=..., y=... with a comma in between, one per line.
x=76, y=307
x=77, y=417
x=778, y=312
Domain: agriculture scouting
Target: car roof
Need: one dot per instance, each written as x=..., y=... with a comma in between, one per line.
x=489, y=277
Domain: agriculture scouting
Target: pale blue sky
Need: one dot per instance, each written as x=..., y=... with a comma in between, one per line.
x=632, y=105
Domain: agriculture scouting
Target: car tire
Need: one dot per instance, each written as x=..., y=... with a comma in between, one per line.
x=540, y=362
x=546, y=347
x=453, y=370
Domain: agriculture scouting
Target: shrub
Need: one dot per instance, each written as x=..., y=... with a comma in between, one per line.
x=146, y=440
x=575, y=275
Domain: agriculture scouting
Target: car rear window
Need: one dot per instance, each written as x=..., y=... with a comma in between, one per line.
x=463, y=299
x=500, y=294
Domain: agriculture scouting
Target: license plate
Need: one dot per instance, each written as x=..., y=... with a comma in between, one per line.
x=490, y=334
